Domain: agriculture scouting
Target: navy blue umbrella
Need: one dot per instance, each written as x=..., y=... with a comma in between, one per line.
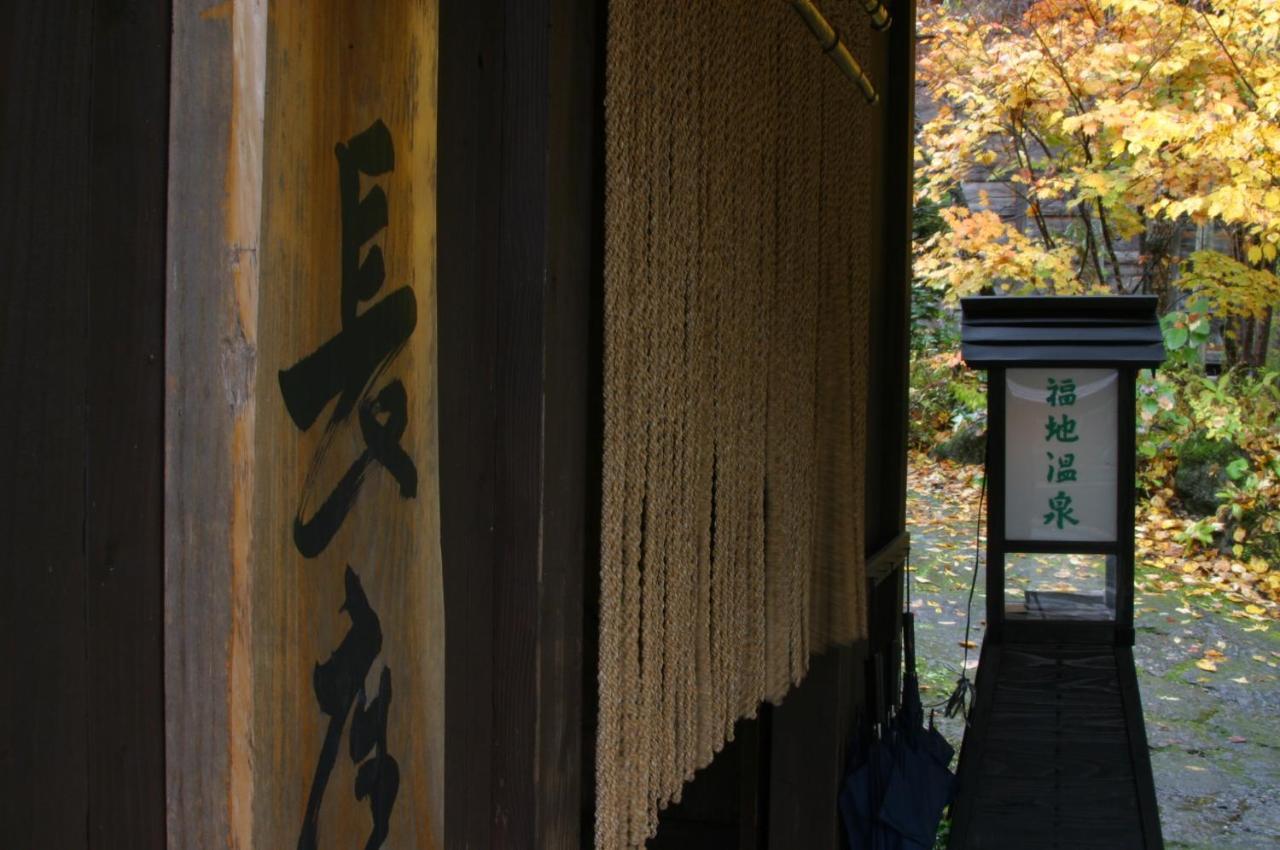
x=901, y=779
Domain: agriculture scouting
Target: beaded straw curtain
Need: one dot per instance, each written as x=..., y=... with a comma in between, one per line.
x=739, y=168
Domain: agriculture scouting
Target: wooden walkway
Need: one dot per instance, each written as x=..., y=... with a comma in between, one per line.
x=1056, y=756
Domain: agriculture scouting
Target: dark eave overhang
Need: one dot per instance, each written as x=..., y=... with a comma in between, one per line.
x=1005, y=331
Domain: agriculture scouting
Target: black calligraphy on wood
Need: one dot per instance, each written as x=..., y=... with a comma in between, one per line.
x=340, y=691
x=352, y=361
x=344, y=370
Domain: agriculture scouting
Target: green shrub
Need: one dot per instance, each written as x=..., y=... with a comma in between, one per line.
x=944, y=394
x=1191, y=425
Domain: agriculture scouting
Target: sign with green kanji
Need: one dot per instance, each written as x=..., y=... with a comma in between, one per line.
x=1060, y=454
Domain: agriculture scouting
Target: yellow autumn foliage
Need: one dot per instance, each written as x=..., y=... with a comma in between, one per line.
x=1115, y=114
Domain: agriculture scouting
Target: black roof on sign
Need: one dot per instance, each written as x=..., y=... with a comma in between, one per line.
x=1121, y=330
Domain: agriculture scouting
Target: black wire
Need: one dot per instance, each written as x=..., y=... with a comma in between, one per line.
x=957, y=703
x=977, y=553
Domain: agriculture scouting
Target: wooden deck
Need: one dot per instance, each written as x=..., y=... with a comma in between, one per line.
x=1056, y=756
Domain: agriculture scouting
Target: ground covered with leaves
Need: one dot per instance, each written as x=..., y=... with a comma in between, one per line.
x=1208, y=653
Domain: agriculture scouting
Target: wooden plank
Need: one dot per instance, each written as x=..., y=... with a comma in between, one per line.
x=470, y=135
x=521, y=248
x=305, y=645
x=215, y=142
x=1039, y=759
x=807, y=753
x=571, y=472
x=519, y=208
x=44, y=236
x=891, y=336
x=888, y=561
x=124, y=476
x=720, y=808
x=346, y=309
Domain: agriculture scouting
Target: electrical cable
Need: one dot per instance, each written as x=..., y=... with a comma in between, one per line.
x=962, y=697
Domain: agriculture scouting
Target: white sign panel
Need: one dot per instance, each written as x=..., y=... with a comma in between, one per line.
x=1060, y=454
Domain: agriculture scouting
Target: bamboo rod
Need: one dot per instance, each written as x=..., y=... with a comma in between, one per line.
x=880, y=18
x=834, y=47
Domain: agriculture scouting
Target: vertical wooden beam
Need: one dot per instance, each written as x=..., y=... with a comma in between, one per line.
x=521, y=248
x=81, y=325
x=305, y=671
x=214, y=203
x=887, y=467
x=807, y=753
x=45, y=232
x=568, y=551
x=124, y=478
x=995, y=472
x=471, y=63
x=1121, y=569
x=518, y=125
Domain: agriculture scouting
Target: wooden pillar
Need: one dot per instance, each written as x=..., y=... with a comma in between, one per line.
x=518, y=220
x=83, y=106
x=305, y=636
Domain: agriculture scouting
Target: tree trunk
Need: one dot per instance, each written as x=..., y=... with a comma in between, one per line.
x=1158, y=249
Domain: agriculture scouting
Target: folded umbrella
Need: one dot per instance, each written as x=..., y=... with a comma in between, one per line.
x=894, y=797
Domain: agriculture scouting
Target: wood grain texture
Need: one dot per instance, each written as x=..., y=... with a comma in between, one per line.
x=81, y=331
x=215, y=150
x=569, y=548
x=471, y=66
x=521, y=255
x=262, y=97
x=891, y=300
x=44, y=234
x=333, y=70
x=517, y=134
x=124, y=476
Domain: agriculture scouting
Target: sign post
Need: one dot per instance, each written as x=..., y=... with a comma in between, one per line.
x=1057, y=715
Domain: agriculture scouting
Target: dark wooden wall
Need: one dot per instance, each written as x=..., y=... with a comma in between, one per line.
x=84, y=93
x=516, y=202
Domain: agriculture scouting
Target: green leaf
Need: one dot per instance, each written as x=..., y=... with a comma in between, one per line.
x=1237, y=468
x=1200, y=332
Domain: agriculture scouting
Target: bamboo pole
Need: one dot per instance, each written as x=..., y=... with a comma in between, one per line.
x=834, y=47
x=880, y=17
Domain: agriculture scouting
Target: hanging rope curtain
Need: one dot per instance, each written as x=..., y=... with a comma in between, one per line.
x=740, y=226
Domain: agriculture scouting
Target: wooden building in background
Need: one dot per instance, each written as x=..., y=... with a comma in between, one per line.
x=300, y=538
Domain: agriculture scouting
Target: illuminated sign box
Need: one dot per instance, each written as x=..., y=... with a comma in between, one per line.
x=1060, y=467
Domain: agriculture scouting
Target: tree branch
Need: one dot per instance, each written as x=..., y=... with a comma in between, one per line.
x=1091, y=244
x=1111, y=249
x=1225, y=52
